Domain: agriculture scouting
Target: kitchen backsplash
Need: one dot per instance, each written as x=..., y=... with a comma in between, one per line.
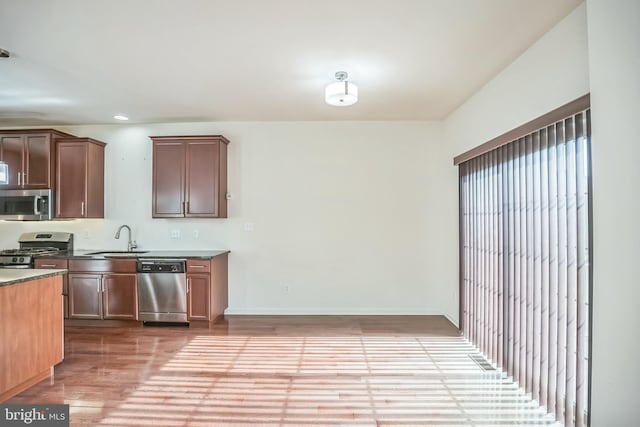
x=156, y=234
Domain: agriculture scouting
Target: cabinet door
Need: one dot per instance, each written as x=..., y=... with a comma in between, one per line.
x=58, y=263
x=71, y=180
x=198, y=296
x=168, y=179
x=203, y=173
x=120, y=297
x=85, y=296
x=11, y=152
x=37, y=161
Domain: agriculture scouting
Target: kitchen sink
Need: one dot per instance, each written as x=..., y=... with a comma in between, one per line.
x=117, y=252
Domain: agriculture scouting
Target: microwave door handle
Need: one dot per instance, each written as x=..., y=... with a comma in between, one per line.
x=36, y=205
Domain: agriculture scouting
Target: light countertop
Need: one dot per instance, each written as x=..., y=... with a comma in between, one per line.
x=142, y=253
x=11, y=276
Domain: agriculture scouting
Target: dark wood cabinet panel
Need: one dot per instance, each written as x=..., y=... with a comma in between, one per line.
x=30, y=156
x=11, y=153
x=207, y=288
x=198, y=291
x=71, y=183
x=37, y=161
x=79, y=178
x=219, y=289
x=168, y=179
x=85, y=296
x=198, y=265
x=103, y=289
x=189, y=176
x=111, y=265
x=120, y=296
x=202, y=184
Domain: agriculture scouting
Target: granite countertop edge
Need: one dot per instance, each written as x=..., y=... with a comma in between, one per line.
x=10, y=276
x=89, y=254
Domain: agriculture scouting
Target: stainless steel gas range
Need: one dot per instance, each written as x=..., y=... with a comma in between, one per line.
x=33, y=245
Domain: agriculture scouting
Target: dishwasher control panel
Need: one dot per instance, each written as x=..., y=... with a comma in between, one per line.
x=160, y=266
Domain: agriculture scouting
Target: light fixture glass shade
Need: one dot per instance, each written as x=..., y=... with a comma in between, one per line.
x=341, y=94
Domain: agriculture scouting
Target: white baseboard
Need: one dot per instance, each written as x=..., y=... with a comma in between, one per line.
x=450, y=319
x=333, y=311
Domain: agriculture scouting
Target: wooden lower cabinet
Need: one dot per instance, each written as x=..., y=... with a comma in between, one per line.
x=207, y=296
x=103, y=296
x=85, y=296
x=120, y=296
x=198, y=291
x=107, y=289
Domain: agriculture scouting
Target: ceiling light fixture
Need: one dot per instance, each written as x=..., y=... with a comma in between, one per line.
x=120, y=117
x=341, y=93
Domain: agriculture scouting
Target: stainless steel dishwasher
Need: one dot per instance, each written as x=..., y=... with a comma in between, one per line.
x=162, y=290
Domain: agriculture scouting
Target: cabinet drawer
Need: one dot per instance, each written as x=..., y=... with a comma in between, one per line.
x=51, y=263
x=198, y=266
x=127, y=265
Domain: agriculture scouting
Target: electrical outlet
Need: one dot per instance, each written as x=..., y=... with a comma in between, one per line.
x=196, y=234
x=248, y=226
x=175, y=234
x=286, y=288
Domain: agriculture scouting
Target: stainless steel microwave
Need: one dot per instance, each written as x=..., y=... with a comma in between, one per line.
x=26, y=205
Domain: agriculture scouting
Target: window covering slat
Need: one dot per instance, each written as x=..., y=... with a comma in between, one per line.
x=525, y=234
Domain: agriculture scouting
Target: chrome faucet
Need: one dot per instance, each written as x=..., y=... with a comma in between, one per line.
x=131, y=244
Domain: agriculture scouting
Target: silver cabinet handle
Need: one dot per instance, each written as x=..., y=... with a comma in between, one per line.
x=82, y=208
x=48, y=266
x=19, y=175
x=196, y=266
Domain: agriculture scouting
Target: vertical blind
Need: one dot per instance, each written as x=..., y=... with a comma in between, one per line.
x=525, y=256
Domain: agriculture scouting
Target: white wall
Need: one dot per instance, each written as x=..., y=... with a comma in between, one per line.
x=552, y=72
x=614, y=61
x=346, y=214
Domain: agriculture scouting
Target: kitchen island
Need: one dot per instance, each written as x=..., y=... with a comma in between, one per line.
x=31, y=327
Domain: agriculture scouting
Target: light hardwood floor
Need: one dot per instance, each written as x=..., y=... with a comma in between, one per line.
x=282, y=371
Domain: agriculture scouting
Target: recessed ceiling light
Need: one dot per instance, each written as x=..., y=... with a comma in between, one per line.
x=120, y=117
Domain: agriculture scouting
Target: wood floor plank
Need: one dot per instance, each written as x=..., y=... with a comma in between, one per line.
x=282, y=371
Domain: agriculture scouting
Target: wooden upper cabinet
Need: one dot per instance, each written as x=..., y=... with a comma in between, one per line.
x=189, y=176
x=37, y=161
x=11, y=153
x=168, y=179
x=79, y=178
x=29, y=156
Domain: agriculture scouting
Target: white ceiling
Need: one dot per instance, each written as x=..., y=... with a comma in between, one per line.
x=79, y=61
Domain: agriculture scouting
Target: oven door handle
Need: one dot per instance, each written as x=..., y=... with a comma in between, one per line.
x=36, y=205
